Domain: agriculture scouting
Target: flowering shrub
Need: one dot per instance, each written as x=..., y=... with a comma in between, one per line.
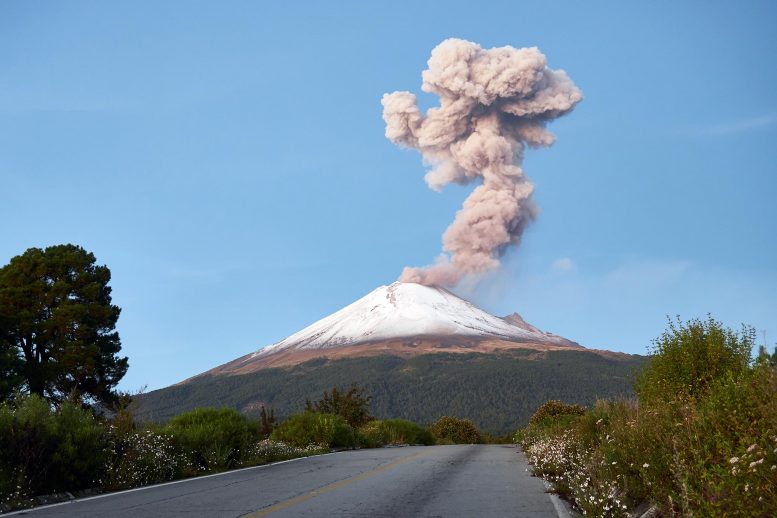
x=143, y=457
x=268, y=450
x=754, y=471
x=147, y=457
x=14, y=490
x=574, y=470
x=213, y=438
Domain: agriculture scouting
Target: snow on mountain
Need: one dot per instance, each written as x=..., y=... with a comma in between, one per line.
x=403, y=310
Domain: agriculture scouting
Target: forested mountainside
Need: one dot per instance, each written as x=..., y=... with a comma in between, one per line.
x=497, y=391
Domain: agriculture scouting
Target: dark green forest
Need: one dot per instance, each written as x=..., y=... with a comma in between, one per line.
x=498, y=392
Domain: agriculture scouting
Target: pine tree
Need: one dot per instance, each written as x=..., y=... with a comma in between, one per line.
x=57, y=327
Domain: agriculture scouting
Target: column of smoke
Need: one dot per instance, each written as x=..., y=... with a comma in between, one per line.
x=493, y=103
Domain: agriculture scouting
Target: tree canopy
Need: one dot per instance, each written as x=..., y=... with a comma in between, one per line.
x=57, y=327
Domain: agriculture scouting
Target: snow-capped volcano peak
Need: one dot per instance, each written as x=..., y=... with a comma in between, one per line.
x=408, y=310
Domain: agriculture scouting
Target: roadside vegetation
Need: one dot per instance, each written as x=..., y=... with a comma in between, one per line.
x=53, y=450
x=47, y=451
x=700, y=439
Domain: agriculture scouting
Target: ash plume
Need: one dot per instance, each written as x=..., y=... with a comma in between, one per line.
x=493, y=103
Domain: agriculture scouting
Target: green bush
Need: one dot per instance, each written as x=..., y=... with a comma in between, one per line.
x=394, y=431
x=306, y=428
x=81, y=452
x=551, y=417
x=689, y=357
x=213, y=438
x=452, y=430
x=731, y=448
x=43, y=450
x=554, y=409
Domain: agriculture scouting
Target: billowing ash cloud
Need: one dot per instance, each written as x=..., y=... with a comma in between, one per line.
x=493, y=103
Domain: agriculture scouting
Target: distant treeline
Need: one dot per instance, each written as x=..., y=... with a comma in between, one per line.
x=498, y=392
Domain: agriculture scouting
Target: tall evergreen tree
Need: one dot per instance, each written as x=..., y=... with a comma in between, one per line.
x=57, y=327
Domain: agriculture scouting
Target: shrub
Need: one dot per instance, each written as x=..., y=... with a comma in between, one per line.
x=213, y=438
x=690, y=356
x=139, y=458
x=273, y=451
x=456, y=431
x=24, y=447
x=43, y=450
x=730, y=448
x=80, y=453
x=394, y=431
x=551, y=417
x=307, y=428
x=554, y=409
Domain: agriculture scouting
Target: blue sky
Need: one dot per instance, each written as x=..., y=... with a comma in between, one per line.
x=227, y=161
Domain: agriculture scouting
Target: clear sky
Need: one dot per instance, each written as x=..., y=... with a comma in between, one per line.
x=227, y=161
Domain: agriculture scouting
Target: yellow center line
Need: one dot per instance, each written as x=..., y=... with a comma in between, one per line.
x=331, y=487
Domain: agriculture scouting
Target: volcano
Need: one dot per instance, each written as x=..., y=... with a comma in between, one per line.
x=402, y=319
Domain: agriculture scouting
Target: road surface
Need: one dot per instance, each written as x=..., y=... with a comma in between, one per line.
x=429, y=481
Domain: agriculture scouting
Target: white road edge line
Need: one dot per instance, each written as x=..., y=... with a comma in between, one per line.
x=179, y=481
x=558, y=504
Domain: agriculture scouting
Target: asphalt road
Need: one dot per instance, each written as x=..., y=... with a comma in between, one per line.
x=461, y=481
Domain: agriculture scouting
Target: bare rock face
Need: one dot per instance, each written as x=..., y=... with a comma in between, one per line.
x=403, y=319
